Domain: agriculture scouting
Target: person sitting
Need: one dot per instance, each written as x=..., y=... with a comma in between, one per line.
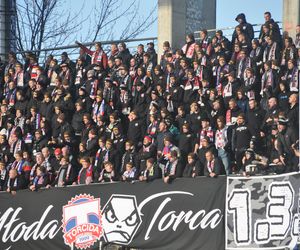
x=130, y=173
x=40, y=180
x=213, y=165
x=173, y=168
x=3, y=175
x=85, y=175
x=66, y=173
x=193, y=167
x=252, y=163
x=108, y=173
x=151, y=172
x=14, y=182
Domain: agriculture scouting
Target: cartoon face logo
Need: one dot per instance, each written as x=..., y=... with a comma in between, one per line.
x=121, y=219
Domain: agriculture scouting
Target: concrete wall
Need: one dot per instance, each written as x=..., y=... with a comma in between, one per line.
x=291, y=16
x=7, y=27
x=3, y=28
x=176, y=18
x=200, y=14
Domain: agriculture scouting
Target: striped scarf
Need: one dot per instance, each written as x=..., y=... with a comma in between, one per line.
x=97, y=57
x=38, y=180
x=255, y=52
x=217, y=72
x=94, y=89
x=206, y=132
x=97, y=157
x=16, y=146
x=69, y=168
x=227, y=92
x=294, y=81
x=248, y=82
x=18, y=165
x=152, y=128
x=11, y=97
x=167, y=151
x=269, y=52
x=89, y=173
x=210, y=166
x=267, y=79
x=221, y=138
x=15, y=182
x=130, y=173
x=37, y=121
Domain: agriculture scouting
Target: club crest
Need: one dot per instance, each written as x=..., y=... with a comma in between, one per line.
x=82, y=223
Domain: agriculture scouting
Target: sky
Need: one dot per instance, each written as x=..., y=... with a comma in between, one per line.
x=227, y=10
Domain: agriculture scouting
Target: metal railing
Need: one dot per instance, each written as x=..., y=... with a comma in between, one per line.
x=73, y=49
x=232, y=28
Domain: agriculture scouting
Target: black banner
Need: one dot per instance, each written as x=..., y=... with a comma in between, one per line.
x=187, y=214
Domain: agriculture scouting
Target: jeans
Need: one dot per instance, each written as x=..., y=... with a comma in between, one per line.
x=223, y=155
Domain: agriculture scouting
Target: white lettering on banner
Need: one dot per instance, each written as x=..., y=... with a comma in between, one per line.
x=239, y=206
x=279, y=209
x=171, y=219
x=37, y=230
x=279, y=219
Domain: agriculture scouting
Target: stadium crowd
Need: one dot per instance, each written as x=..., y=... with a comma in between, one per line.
x=213, y=107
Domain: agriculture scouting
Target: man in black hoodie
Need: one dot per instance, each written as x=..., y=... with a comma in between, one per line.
x=135, y=130
x=241, y=137
x=246, y=27
x=293, y=112
x=255, y=117
x=124, y=54
x=77, y=123
x=153, y=55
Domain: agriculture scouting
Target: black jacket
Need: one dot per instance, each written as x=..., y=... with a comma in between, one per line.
x=92, y=146
x=285, y=140
x=176, y=95
x=15, y=184
x=255, y=118
x=186, y=143
x=144, y=155
x=140, y=103
x=68, y=177
x=126, y=56
x=241, y=137
x=190, y=169
x=194, y=121
x=293, y=116
x=246, y=27
x=129, y=156
x=178, y=170
x=77, y=122
x=46, y=110
x=218, y=168
x=136, y=130
x=152, y=174
x=202, y=151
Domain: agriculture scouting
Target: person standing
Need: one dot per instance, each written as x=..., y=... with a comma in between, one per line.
x=98, y=57
x=241, y=137
x=222, y=143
